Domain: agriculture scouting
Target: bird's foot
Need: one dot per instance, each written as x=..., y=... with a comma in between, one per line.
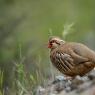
x=68, y=78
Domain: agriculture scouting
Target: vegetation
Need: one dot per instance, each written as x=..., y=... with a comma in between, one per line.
x=24, y=32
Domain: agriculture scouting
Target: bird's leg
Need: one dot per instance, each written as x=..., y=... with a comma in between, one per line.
x=78, y=77
x=69, y=83
x=68, y=77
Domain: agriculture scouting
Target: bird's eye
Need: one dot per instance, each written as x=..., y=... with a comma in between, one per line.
x=52, y=41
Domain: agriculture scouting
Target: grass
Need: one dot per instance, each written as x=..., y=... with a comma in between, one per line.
x=68, y=29
x=27, y=83
x=1, y=83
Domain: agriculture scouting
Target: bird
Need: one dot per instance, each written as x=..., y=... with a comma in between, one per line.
x=71, y=58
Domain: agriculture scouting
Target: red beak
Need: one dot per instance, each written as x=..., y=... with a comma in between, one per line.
x=49, y=45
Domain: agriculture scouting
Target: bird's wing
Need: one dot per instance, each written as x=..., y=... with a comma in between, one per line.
x=84, y=51
x=77, y=58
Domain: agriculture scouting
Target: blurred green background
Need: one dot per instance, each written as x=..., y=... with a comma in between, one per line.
x=25, y=27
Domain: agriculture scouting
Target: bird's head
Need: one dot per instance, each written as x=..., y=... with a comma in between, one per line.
x=54, y=42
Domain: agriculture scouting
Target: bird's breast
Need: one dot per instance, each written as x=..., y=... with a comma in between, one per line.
x=64, y=68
